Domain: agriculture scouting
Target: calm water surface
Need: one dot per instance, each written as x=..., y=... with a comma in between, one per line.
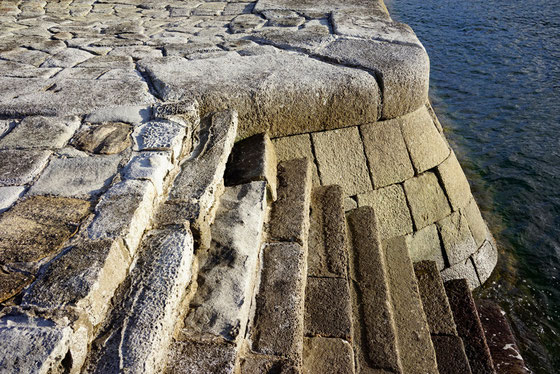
x=495, y=83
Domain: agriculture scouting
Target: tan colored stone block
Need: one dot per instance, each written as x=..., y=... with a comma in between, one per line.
x=341, y=160
x=12, y=282
x=425, y=144
x=386, y=152
x=257, y=363
x=108, y=138
x=476, y=223
x=201, y=357
x=427, y=200
x=454, y=182
x=463, y=270
x=324, y=355
x=296, y=146
x=391, y=210
x=424, y=244
x=456, y=237
x=485, y=260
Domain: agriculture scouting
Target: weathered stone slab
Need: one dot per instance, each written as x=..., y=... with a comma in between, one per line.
x=279, y=320
x=341, y=160
x=289, y=219
x=38, y=227
x=85, y=276
x=159, y=135
x=20, y=167
x=391, y=209
x=152, y=166
x=424, y=244
x=253, y=159
x=227, y=271
x=124, y=212
x=307, y=40
x=386, y=152
x=434, y=300
x=463, y=270
x=257, y=363
x=66, y=58
x=327, y=96
x=313, y=9
x=416, y=351
x=373, y=313
x=124, y=113
x=80, y=177
x=41, y=132
x=246, y=23
x=327, y=233
x=201, y=357
x=112, y=62
x=328, y=308
x=485, y=260
x=323, y=355
x=451, y=356
x=426, y=199
x=283, y=18
x=108, y=138
x=454, y=182
x=425, y=144
x=469, y=326
x=185, y=111
x=12, y=282
x=456, y=237
x=9, y=195
x=476, y=222
x=297, y=146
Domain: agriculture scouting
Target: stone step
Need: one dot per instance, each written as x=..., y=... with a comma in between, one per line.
x=501, y=341
x=469, y=327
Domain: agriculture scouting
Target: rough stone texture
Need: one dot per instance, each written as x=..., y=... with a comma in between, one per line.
x=289, y=220
x=434, y=300
x=425, y=144
x=463, y=270
x=253, y=159
x=123, y=113
x=328, y=308
x=228, y=270
x=89, y=176
x=201, y=357
x=20, y=167
x=476, y=222
x=323, y=355
x=279, y=315
x=485, y=260
x=124, y=212
x=454, y=182
x=186, y=111
x=311, y=8
x=41, y=132
x=500, y=339
x=297, y=146
x=468, y=326
x=262, y=90
x=341, y=160
x=415, y=346
x=246, y=23
x=386, y=152
x=427, y=200
x=9, y=195
x=374, y=326
x=456, y=237
x=424, y=244
x=451, y=356
x=257, y=363
x=85, y=276
x=327, y=245
x=38, y=227
x=12, y=282
x=391, y=209
x=152, y=166
x=308, y=39
x=160, y=135
x=108, y=138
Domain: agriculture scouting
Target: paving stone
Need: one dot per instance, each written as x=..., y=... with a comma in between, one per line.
x=373, y=314
x=66, y=58
x=485, y=260
x=159, y=135
x=386, y=152
x=391, y=209
x=427, y=200
x=41, y=132
x=341, y=160
x=253, y=159
x=283, y=18
x=85, y=276
x=501, y=341
x=227, y=271
x=12, y=282
x=9, y=195
x=279, y=320
x=152, y=166
x=107, y=138
x=289, y=219
x=235, y=8
x=323, y=355
x=451, y=356
x=404, y=70
x=463, y=270
x=328, y=308
x=26, y=56
x=312, y=9
x=454, y=182
x=257, y=363
x=308, y=40
x=124, y=212
x=112, y=62
x=425, y=144
x=20, y=167
x=186, y=111
x=327, y=96
x=190, y=49
x=246, y=23
x=434, y=300
x=209, y=9
x=89, y=176
x=415, y=345
x=469, y=326
x=201, y=357
x=38, y=227
x=327, y=233
x=476, y=222
x=297, y=146
x=133, y=114
x=456, y=237
x=424, y=244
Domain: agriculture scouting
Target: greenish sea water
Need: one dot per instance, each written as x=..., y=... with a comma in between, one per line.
x=495, y=85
